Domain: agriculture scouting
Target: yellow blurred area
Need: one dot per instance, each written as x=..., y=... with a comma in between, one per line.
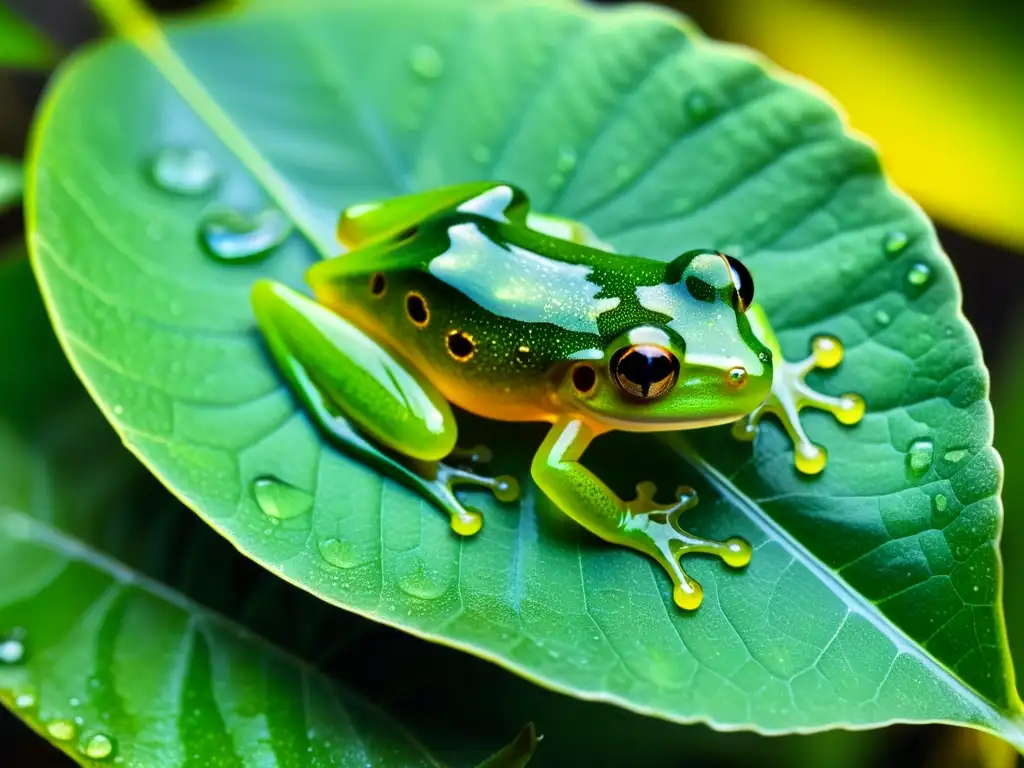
x=943, y=101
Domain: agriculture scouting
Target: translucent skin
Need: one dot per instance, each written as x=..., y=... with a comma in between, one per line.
x=461, y=295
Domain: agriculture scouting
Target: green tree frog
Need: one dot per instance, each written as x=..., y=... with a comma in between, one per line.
x=462, y=296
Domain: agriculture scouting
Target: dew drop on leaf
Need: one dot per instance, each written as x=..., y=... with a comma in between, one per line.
x=184, y=171
x=426, y=62
x=420, y=584
x=698, y=105
x=942, y=513
x=919, y=457
x=957, y=455
x=339, y=553
x=280, y=500
x=25, y=700
x=566, y=160
x=61, y=730
x=232, y=236
x=918, y=276
x=882, y=317
x=12, y=651
x=480, y=153
x=98, y=747
x=895, y=243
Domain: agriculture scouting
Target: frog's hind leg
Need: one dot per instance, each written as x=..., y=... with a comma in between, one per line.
x=641, y=524
x=790, y=393
x=353, y=390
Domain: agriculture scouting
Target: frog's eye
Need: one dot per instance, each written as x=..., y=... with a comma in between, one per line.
x=645, y=370
x=742, y=282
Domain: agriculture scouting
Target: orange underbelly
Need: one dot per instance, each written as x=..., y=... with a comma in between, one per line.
x=477, y=394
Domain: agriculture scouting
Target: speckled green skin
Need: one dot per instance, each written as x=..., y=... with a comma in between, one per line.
x=374, y=351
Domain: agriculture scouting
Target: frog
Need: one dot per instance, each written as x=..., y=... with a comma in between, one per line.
x=464, y=297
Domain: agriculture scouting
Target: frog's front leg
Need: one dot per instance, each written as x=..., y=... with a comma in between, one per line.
x=790, y=393
x=353, y=389
x=640, y=524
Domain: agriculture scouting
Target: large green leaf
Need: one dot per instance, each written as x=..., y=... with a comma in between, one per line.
x=106, y=662
x=874, y=591
x=20, y=44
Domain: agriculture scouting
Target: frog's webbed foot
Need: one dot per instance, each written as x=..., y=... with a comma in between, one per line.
x=790, y=393
x=442, y=479
x=667, y=542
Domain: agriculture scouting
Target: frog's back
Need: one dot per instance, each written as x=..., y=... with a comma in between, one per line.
x=489, y=311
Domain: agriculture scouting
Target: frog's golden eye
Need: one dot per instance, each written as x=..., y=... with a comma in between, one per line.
x=378, y=284
x=646, y=371
x=741, y=281
x=416, y=309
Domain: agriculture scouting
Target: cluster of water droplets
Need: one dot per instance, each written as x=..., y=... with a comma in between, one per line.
x=91, y=743
x=226, y=234
x=918, y=274
x=921, y=453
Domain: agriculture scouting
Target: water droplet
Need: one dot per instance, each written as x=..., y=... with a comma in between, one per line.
x=566, y=160
x=236, y=237
x=74, y=701
x=956, y=455
x=895, y=243
x=12, y=651
x=25, y=700
x=882, y=317
x=919, y=457
x=339, y=553
x=698, y=105
x=419, y=583
x=940, y=502
x=98, y=747
x=426, y=62
x=480, y=153
x=61, y=730
x=918, y=276
x=280, y=500
x=184, y=171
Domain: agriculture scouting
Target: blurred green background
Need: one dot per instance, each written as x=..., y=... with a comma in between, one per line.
x=939, y=87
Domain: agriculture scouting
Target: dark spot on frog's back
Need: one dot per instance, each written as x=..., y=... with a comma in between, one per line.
x=460, y=345
x=416, y=309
